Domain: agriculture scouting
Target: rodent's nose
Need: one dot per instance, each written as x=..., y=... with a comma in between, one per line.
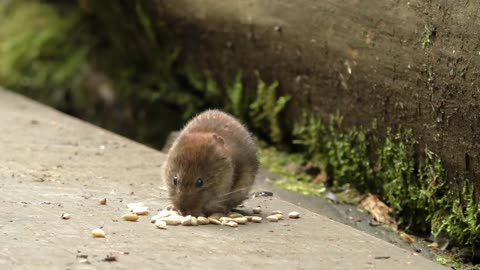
x=183, y=209
x=187, y=207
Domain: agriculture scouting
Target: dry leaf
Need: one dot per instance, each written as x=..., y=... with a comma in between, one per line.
x=378, y=210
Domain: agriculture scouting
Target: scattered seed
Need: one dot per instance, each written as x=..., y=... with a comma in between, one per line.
x=166, y=213
x=203, y=220
x=216, y=216
x=272, y=218
x=257, y=210
x=98, y=233
x=155, y=218
x=241, y=220
x=130, y=217
x=187, y=220
x=65, y=216
x=294, y=214
x=226, y=219
x=141, y=211
x=103, y=201
x=277, y=212
x=161, y=224
x=214, y=221
x=231, y=224
x=132, y=206
x=249, y=218
x=172, y=220
x=257, y=219
x=279, y=216
x=194, y=221
x=235, y=215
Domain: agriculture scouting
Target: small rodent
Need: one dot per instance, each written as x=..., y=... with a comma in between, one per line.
x=211, y=165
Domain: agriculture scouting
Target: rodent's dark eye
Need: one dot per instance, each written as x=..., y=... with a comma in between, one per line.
x=199, y=183
x=175, y=180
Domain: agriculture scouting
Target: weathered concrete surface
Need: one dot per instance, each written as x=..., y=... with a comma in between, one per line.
x=51, y=163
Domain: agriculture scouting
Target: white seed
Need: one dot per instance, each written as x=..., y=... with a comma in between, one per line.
x=130, y=217
x=235, y=215
x=65, y=216
x=241, y=220
x=166, y=213
x=257, y=219
x=226, y=219
x=103, y=201
x=257, y=210
x=294, y=214
x=161, y=224
x=194, y=221
x=272, y=218
x=141, y=211
x=214, y=221
x=98, y=233
x=277, y=212
x=279, y=216
x=187, y=220
x=154, y=218
x=132, y=206
x=172, y=220
x=203, y=220
x=216, y=215
x=231, y=224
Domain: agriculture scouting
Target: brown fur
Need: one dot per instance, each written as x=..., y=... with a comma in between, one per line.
x=216, y=147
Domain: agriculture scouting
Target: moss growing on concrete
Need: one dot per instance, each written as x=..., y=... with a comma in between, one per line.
x=287, y=166
x=413, y=182
x=343, y=151
x=428, y=35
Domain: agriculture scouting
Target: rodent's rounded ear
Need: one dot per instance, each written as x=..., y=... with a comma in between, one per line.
x=218, y=139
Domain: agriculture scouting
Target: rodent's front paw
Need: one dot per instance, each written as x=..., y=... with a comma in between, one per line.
x=171, y=207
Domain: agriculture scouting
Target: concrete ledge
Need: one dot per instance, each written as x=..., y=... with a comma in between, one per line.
x=52, y=163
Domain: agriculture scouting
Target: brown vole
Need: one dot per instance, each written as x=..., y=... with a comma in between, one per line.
x=212, y=164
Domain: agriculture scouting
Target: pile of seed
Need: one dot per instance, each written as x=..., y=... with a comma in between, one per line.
x=171, y=217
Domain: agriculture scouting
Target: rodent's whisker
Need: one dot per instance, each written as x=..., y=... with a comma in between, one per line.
x=158, y=197
x=235, y=191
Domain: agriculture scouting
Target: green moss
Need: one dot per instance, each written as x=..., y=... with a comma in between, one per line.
x=413, y=183
x=343, y=151
x=237, y=103
x=260, y=109
x=284, y=164
x=265, y=110
x=396, y=172
x=448, y=260
x=428, y=36
x=43, y=53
